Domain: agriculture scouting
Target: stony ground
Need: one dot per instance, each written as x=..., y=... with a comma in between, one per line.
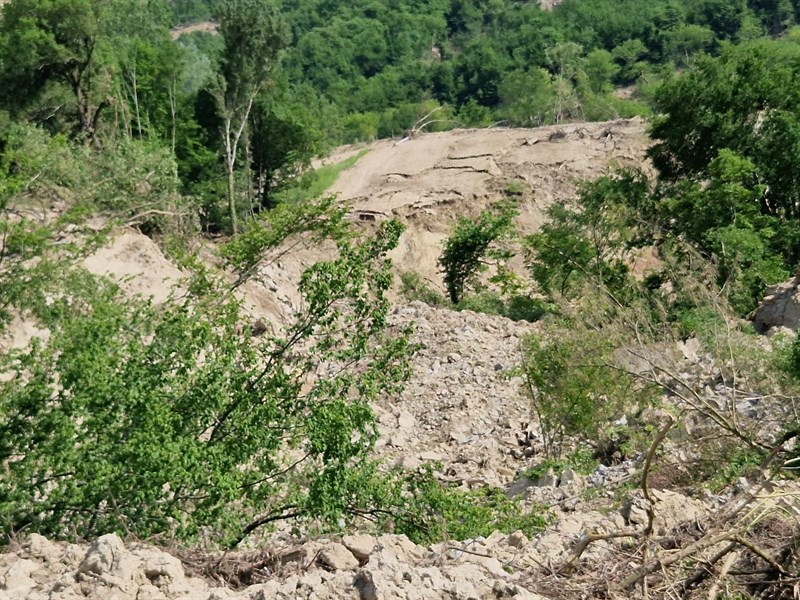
x=361, y=567
x=462, y=407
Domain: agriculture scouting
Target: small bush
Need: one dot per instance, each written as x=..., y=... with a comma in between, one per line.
x=581, y=460
x=473, y=245
x=515, y=188
x=574, y=390
x=414, y=287
x=525, y=308
x=518, y=307
x=438, y=513
x=489, y=303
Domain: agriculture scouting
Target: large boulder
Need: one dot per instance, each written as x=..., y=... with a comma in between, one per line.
x=780, y=308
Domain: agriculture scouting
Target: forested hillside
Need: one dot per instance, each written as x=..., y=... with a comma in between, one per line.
x=329, y=72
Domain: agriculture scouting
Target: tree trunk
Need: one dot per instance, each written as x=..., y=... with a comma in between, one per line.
x=232, y=200
x=230, y=166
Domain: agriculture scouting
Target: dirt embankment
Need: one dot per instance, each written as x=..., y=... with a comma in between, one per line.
x=432, y=180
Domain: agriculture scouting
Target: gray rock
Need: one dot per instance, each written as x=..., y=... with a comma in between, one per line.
x=569, y=478
x=15, y=580
x=547, y=480
x=517, y=539
x=365, y=585
x=108, y=556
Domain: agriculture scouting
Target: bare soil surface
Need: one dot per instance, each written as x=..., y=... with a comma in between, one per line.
x=204, y=26
x=431, y=180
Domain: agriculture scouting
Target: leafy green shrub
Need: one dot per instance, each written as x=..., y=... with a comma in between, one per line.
x=514, y=188
x=132, y=181
x=524, y=308
x=581, y=460
x=435, y=512
x=517, y=307
x=735, y=462
x=360, y=127
x=585, y=246
x=489, y=303
x=699, y=321
x=169, y=420
x=573, y=387
x=472, y=244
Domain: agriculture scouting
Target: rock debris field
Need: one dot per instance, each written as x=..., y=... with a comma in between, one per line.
x=462, y=408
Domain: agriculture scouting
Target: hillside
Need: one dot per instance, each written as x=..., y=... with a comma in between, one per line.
x=432, y=180
x=530, y=333
x=460, y=408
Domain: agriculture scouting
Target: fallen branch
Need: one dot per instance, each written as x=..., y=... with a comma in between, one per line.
x=760, y=552
x=726, y=567
x=705, y=569
x=588, y=538
x=660, y=561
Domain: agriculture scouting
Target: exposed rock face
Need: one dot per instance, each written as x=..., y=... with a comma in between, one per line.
x=780, y=308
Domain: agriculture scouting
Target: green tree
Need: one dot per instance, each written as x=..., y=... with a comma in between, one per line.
x=67, y=54
x=473, y=245
x=745, y=101
x=565, y=63
x=600, y=70
x=254, y=35
x=723, y=217
x=685, y=41
x=527, y=98
x=629, y=55
x=579, y=247
x=56, y=41
x=169, y=419
x=572, y=386
x=724, y=17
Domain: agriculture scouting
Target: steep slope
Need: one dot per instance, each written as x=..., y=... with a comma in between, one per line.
x=431, y=180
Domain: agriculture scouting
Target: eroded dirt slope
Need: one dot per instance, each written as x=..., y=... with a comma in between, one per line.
x=431, y=180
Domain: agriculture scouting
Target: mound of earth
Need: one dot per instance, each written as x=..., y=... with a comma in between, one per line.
x=431, y=180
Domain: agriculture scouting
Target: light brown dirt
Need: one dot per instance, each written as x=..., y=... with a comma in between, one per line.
x=204, y=26
x=431, y=180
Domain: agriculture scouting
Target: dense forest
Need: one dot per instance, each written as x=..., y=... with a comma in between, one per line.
x=287, y=80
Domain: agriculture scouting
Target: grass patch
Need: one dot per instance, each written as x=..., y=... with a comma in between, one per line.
x=326, y=176
x=317, y=182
